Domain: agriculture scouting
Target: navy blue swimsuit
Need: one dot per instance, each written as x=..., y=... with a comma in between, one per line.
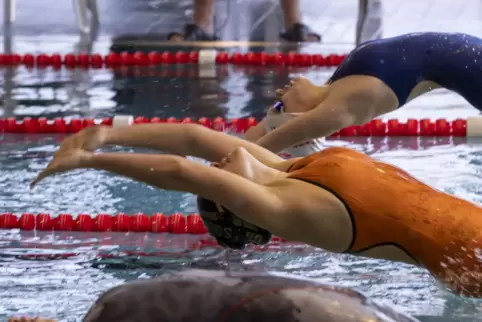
x=452, y=60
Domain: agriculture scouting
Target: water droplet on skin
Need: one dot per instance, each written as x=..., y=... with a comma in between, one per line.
x=478, y=254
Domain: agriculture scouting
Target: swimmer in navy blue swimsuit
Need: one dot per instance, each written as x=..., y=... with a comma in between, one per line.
x=378, y=77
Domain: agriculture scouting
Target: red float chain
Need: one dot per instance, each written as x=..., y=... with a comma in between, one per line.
x=85, y=60
x=176, y=223
x=158, y=223
x=412, y=127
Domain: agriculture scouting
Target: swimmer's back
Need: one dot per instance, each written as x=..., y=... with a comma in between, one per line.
x=452, y=60
x=389, y=207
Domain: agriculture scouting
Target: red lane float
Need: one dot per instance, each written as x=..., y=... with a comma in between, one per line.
x=471, y=126
x=158, y=223
x=176, y=223
x=85, y=60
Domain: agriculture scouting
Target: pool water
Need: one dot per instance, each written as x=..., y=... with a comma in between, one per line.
x=64, y=288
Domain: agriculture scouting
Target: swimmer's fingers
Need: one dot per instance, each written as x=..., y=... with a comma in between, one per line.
x=63, y=162
x=281, y=91
x=42, y=175
x=57, y=166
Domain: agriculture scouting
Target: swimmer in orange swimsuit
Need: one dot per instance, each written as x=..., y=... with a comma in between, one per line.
x=338, y=199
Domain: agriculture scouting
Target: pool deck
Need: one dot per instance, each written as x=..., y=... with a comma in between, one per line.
x=47, y=20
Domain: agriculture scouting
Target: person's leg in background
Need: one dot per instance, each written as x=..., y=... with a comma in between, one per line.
x=202, y=27
x=295, y=30
x=369, y=23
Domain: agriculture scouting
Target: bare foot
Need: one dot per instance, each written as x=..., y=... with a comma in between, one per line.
x=301, y=95
x=25, y=319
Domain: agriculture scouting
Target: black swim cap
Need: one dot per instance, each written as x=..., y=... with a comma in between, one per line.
x=229, y=230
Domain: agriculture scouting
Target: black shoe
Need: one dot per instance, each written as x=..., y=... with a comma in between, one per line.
x=300, y=33
x=193, y=33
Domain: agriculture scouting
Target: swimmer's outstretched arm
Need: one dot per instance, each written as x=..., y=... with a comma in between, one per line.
x=256, y=132
x=251, y=201
x=343, y=106
x=185, y=140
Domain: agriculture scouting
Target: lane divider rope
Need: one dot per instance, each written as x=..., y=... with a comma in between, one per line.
x=204, y=57
x=176, y=223
x=470, y=127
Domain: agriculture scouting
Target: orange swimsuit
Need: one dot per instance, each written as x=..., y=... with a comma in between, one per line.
x=390, y=207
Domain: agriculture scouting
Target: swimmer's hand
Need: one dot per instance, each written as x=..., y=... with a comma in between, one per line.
x=73, y=151
x=64, y=160
x=89, y=139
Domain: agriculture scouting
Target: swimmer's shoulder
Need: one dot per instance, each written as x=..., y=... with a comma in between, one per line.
x=328, y=153
x=337, y=151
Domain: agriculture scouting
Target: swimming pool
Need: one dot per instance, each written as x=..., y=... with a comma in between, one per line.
x=65, y=288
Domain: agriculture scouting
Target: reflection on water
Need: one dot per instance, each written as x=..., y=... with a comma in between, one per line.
x=174, y=90
x=168, y=91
